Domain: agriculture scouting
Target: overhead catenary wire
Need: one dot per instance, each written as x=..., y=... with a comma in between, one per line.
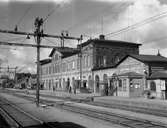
x=49, y=41
x=113, y=11
x=51, y=12
x=136, y=25
x=13, y=39
x=95, y=15
x=25, y=13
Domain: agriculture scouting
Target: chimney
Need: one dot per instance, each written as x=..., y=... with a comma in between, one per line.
x=158, y=54
x=102, y=37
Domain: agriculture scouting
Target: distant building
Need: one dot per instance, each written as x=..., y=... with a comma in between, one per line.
x=22, y=80
x=64, y=69
x=108, y=67
x=26, y=80
x=135, y=73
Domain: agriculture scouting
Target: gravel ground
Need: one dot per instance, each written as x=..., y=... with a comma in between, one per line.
x=3, y=123
x=64, y=118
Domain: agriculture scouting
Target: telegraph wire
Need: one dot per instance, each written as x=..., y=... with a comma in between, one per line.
x=95, y=15
x=14, y=39
x=120, y=6
x=25, y=13
x=49, y=41
x=136, y=25
x=51, y=12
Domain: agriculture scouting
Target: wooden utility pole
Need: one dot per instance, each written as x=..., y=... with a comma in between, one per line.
x=80, y=59
x=15, y=76
x=38, y=34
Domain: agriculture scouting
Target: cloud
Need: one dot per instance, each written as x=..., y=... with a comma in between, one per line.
x=4, y=0
x=56, y=1
x=136, y=12
x=18, y=53
x=112, y=1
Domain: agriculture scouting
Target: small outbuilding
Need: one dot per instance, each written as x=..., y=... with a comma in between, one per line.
x=130, y=84
x=157, y=84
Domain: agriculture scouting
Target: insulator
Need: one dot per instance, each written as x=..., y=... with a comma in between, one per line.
x=66, y=34
x=28, y=37
x=62, y=34
x=81, y=37
x=15, y=29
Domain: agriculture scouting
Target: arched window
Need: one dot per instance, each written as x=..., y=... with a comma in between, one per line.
x=120, y=85
x=105, y=78
x=97, y=82
x=117, y=59
x=153, y=86
x=90, y=82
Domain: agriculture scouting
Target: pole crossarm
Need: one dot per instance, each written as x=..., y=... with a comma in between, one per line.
x=6, y=68
x=65, y=37
x=38, y=34
x=63, y=49
x=42, y=34
x=16, y=32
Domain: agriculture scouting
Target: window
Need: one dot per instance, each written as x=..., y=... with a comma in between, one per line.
x=78, y=63
x=58, y=68
x=55, y=68
x=73, y=64
x=65, y=67
x=104, y=60
x=68, y=66
x=153, y=86
x=49, y=69
x=90, y=61
x=83, y=61
x=124, y=84
x=86, y=61
x=46, y=70
x=116, y=59
x=120, y=85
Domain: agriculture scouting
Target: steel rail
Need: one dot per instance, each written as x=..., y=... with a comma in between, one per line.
x=157, y=112
x=17, y=123
x=21, y=111
x=109, y=117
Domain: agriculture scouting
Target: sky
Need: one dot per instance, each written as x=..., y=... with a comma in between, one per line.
x=87, y=17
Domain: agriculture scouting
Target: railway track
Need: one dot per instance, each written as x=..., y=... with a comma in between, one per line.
x=156, y=112
x=113, y=118
x=18, y=118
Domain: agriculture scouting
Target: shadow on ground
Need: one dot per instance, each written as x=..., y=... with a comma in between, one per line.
x=3, y=123
x=57, y=125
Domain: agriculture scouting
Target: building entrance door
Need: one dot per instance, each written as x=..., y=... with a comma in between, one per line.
x=135, y=88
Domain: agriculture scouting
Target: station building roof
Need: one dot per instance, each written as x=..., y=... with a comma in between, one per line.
x=158, y=75
x=45, y=61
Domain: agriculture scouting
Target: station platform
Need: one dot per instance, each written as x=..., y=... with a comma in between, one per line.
x=109, y=100
x=56, y=115
x=136, y=102
x=143, y=102
x=156, y=104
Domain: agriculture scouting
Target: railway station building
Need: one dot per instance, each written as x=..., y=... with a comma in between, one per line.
x=109, y=66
